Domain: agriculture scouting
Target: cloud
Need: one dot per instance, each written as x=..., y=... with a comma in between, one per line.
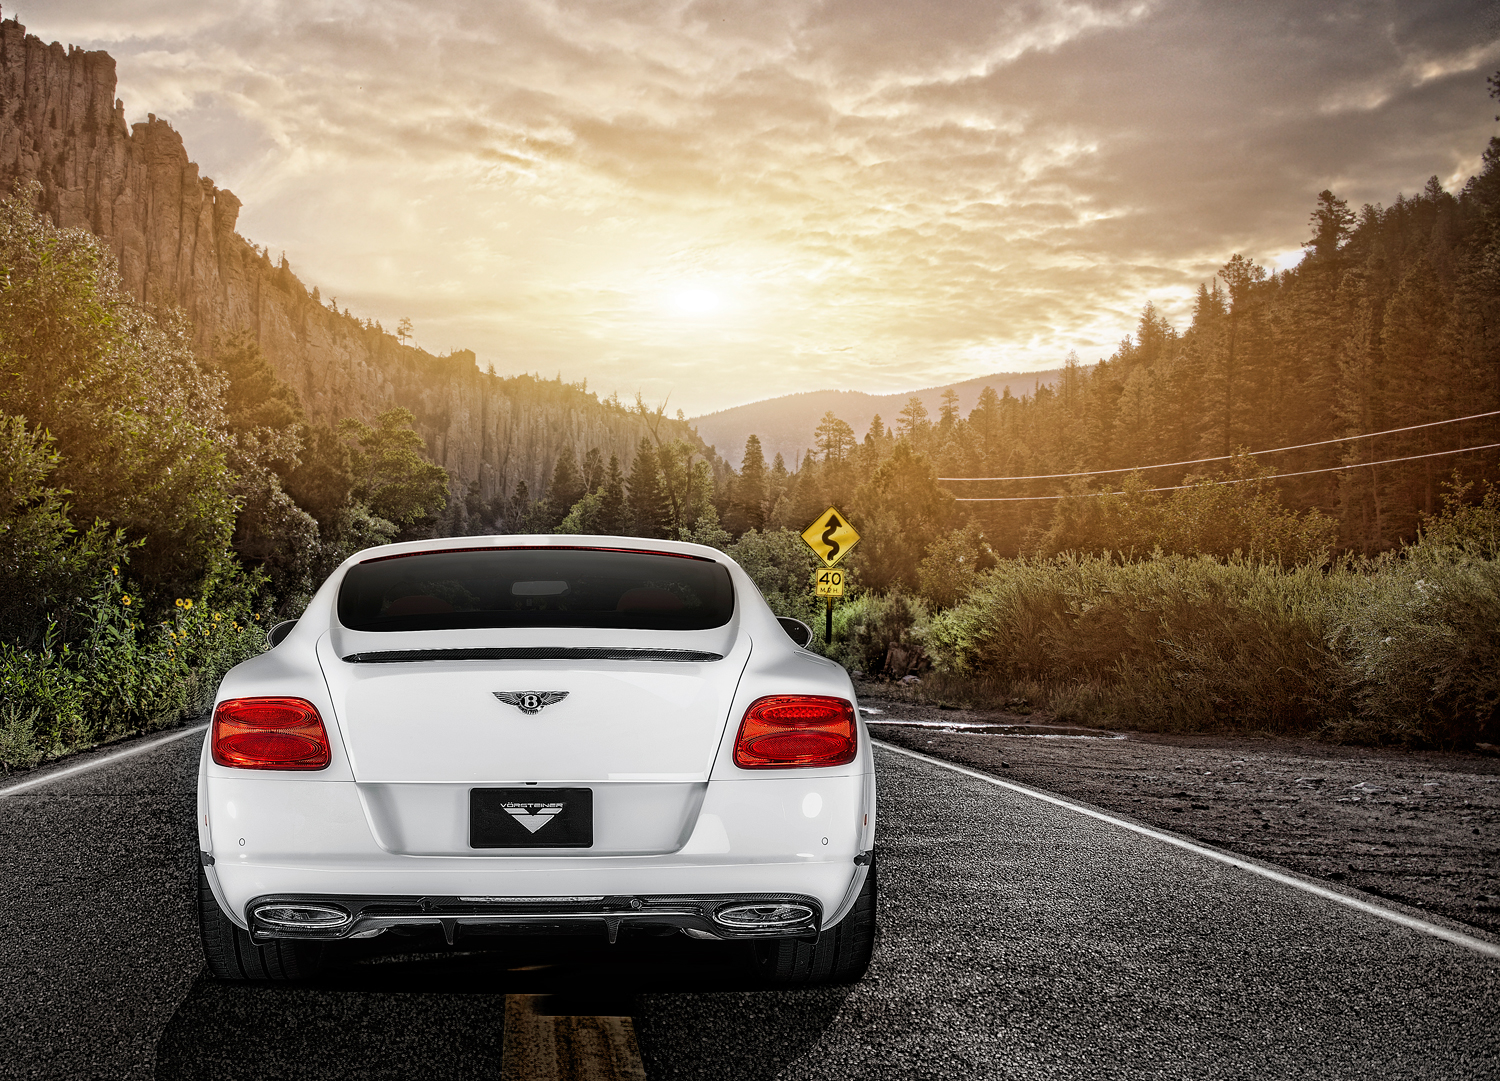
x=884, y=193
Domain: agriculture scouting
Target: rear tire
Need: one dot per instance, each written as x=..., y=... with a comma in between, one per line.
x=840, y=955
x=234, y=957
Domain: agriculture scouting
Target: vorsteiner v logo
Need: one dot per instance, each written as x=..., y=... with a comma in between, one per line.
x=530, y=701
x=533, y=815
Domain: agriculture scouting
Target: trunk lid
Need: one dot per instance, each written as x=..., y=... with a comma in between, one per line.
x=469, y=721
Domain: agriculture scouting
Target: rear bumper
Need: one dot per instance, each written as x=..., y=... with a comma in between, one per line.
x=802, y=835
x=723, y=916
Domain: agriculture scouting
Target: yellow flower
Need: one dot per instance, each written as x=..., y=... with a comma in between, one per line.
x=116, y=569
x=188, y=603
x=126, y=599
x=179, y=602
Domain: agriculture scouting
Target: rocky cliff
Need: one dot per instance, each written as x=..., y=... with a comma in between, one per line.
x=173, y=234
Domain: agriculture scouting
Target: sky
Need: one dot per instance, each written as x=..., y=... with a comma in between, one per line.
x=712, y=202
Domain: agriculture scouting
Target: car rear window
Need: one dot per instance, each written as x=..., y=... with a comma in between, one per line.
x=536, y=587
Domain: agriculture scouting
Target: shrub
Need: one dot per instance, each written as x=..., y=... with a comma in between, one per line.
x=124, y=675
x=45, y=564
x=867, y=627
x=951, y=568
x=1421, y=636
x=1169, y=643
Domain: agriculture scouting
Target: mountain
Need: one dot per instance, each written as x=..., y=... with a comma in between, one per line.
x=785, y=424
x=172, y=232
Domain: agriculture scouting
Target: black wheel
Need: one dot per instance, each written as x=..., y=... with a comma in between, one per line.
x=840, y=955
x=232, y=956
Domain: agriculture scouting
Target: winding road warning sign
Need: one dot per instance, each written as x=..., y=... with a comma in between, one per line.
x=831, y=536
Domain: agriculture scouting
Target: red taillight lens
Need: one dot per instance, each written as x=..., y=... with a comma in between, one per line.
x=785, y=731
x=270, y=733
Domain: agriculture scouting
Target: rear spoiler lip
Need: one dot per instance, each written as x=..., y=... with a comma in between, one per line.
x=531, y=653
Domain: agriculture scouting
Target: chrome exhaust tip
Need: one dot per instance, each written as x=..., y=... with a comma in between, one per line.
x=765, y=916
x=302, y=916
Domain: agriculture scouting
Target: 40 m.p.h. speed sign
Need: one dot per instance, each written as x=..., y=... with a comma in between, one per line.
x=829, y=583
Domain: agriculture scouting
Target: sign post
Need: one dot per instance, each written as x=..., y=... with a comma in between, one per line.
x=831, y=537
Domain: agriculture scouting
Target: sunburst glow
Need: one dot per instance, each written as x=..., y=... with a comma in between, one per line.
x=697, y=301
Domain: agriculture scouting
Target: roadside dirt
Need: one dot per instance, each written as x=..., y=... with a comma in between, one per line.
x=1422, y=828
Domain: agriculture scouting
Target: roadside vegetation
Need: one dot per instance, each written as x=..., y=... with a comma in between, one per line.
x=157, y=508
x=1403, y=648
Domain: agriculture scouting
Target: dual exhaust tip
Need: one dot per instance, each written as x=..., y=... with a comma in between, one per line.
x=297, y=916
x=766, y=916
x=302, y=917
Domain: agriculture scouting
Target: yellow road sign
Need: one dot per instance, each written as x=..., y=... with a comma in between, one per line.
x=831, y=536
x=830, y=583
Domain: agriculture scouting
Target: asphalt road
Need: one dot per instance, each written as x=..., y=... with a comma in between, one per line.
x=1018, y=939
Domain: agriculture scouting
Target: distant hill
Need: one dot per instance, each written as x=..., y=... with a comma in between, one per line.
x=785, y=424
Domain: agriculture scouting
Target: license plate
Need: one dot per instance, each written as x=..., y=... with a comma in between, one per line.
x=531, y=817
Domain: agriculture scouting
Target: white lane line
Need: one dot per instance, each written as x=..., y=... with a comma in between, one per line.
x=1458, y=938
x=102, y=760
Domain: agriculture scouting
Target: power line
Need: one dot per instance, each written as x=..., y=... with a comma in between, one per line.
x=1227, y=457
x=1241, y=480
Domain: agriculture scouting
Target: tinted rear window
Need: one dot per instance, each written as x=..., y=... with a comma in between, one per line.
x=538, y=587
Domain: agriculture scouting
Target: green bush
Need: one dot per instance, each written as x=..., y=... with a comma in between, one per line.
x=951, y=568
x=1403, y=649
x=45, y=564
x=865, y=629
x=1421, y=641
x=1168, y=643
x=124, y=675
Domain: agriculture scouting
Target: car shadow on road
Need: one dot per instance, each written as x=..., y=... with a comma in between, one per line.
x=412, y=1008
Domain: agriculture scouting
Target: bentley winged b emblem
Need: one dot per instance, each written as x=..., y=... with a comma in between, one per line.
x=530, y=702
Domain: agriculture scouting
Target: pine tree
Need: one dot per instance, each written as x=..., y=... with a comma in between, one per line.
x=1240, y=276
x=750, y=501
x=1420, y=368
x=518, y=514
x=984, y=423
x=567, y=487
x=612, y=509
x=948, y=411
x=834, y=437
x=1332, y=223
x=912, y=423
x=647, y=511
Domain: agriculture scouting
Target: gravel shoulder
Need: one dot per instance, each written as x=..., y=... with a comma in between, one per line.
x=1421, y=828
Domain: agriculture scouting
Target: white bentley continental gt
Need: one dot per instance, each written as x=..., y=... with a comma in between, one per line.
x=540, y=734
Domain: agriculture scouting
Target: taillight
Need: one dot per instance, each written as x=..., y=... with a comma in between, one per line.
x=270, y=733
x=785, y=731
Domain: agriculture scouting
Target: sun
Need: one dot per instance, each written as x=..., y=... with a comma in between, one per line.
x=697, y=301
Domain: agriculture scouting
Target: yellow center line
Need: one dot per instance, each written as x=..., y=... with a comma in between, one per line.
x=546, y=1047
